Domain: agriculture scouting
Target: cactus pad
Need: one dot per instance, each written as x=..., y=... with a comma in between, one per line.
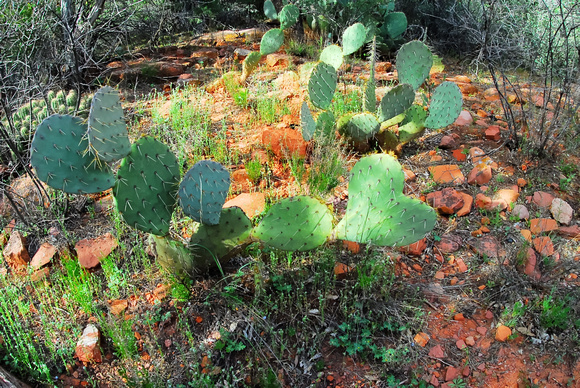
x=445, y=106
x=203, y=191
x=414, y=61
x=249, y=64
x=353, y=38
x=57, y=153
x=270, y=10
x=295, y=224
x=147, y=182
x=321, y=85
x=395, y=24
x=332, y=55
x=325, y=124
x=396, y=101
x=288, y=16
x=360, y=127
x=174, y=257
x=377, y=211
x=108, y=137
x=271, y=41
x=307, y=122
x=370, y=98
x=413, y=125
x=213, y=243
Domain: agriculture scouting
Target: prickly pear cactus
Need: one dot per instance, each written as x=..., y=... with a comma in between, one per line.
x=321, y=85
x=174, y=257
x=307, y=122
x=250, y=64
x=203, y=191
x=396, y=101
x=271, y=41
x=108, y=137
x=295, y=224
x=270, y=10
x=360, y=127
x=288, y=16
x=332, y=55
x=325, y=124
x=146, y=188
x=57, y=153
x=413, y=125
x=414, y=61
x=377, y=211
x=370, y=99
x=445, y=105
x=213, y=244
x=395, y=24
x=353, y=38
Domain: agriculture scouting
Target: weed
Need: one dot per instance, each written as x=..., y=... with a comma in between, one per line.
x=297, y=168
x=270, y=110
x=327, y=165
x=301, y=49
x=254, y=169
x=120, y=332
x=458, y=383
x=513, y=315
x=554, y=313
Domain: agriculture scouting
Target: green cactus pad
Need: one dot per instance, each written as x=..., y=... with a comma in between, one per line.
x=108, y=137
x=270, y=10
x=249, y=65
x=147, y=182
x=413, y=125
x=395, y=24
x=353, y=38
x=307, y=122
x=295, y=224
x=370, y=98
x=414, y=61
x=203, y=191
x=271, y=41
x=174, y=257
x=325, y=124
x=57, y=153
x=213, y=243
x=360, y=127
x=377, y=211
x=288, y=16
x=445, y=106
x=332, y=55
x=321, y=85
x=396, y=101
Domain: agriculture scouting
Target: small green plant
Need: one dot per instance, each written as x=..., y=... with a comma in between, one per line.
x=513, y=315
x=458, y=383
x=228, y=342
x=254, y=169
x=555, y=312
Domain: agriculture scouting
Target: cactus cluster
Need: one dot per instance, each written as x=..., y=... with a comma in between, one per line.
x=27, y=117
x=273, y=38
x=414, y=61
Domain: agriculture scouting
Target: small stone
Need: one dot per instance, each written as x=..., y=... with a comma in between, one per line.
x=488, y=314
x=569, y=231
x=440, y=275
x=449, y=244
x=460, y=344
x=461, y=267
x=43, y=256
x=526, y=234
x=447, y=173
x=539, y=225
x=446, y=201
x=470, y=341
x=493, y=133
x=459, y=317
x=488, y=246
x=481, y=330
x=437, y=352
x=542, y=199
x=351, y=246
x=87, y=349
x=118, y=306
x=491, y=94
x=15, y=253
x=521, y=182
x=252, y=204
x=459, y=155
x=409, y=175
x=416, y=248
x=285, y=142
x=506, y=197
x=341, y=270
x=464, y=118
x=447, y=142
x=467, y=204
x=451, y=373
x=502, y=333
x=278, y=60
x=561, y=211
x=465, y=371
x=479, y=176
x=421, y=339
x=434, y=381
x=544, y=245
x=90, y=252
x=521, y=212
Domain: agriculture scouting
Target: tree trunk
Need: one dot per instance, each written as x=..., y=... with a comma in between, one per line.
x=9, y=381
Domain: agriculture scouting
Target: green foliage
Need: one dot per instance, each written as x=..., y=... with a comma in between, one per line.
x=555, y=312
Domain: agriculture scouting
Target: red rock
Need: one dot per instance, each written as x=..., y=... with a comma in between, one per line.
x=421, y=339
x=481, y=330
x=449, y=244
x=522, y=182
x=240, y=180
x=447, y=173
x=416, y=248
x=460, y=344
x=285, y=142
x=569, y=231
x=542, y=199
x=561, y=211
x=437, y=352
x=459, y=317
x=434, y=381
x=493, y=133
x=506, y=197
x=470, y=341
x=459, y=155
x=452, y=373
x=461, y=267
x=251, y=203
x=167, y=69
x=446, y=201
x=479, y=176
x=521, y=212
x=40, y=274
x=502, y=333
x=278, y=60
x=118, y=306
x=467, y=89
x=448, y=141
x=91, y=251
x=464, y=118
x=205, y=54
x=467, y=204
x=409, y=175
x=526, y=234
x=341, y=270
x=15, y=253
x=351, y=246
x=484, y=202
x=488, y=246
x=539, y=225
x=491, y=94
x=87, y=349
x=465, y=371
x=530, y=262
x=43, y=256
x=476, y=154
x=544, y=245
x=460, y=78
